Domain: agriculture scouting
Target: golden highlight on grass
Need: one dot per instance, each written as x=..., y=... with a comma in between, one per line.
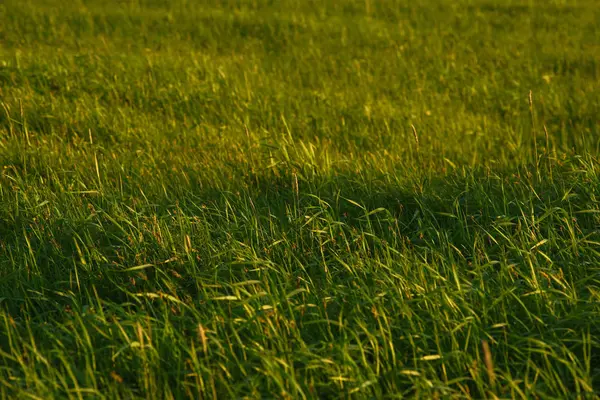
x=299, y=199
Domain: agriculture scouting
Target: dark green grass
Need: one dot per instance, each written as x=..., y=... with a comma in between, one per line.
x=299, y=199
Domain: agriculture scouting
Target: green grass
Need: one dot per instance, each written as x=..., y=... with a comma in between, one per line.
x=299, y=199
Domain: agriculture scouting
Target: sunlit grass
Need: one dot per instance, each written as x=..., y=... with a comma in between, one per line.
x=299, y=199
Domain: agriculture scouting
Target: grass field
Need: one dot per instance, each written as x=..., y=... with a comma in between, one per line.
x=299, y=199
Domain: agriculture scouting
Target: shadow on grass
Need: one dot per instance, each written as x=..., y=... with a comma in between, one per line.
x=477, y=216
x=431, y=255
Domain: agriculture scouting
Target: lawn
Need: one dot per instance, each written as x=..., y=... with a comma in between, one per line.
x=299, y=199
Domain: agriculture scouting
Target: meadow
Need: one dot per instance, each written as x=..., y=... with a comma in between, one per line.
x=299, y=199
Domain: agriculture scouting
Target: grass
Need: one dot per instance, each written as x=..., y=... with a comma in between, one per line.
x=299, y=199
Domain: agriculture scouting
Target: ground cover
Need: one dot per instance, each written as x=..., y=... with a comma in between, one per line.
x=299, y=199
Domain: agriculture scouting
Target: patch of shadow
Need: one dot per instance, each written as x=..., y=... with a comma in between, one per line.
x=217, y=234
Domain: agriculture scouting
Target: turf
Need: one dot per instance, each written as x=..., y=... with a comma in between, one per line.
x=299, y=199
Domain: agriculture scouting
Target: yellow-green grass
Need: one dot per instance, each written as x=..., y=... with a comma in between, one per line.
x=299, y=199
